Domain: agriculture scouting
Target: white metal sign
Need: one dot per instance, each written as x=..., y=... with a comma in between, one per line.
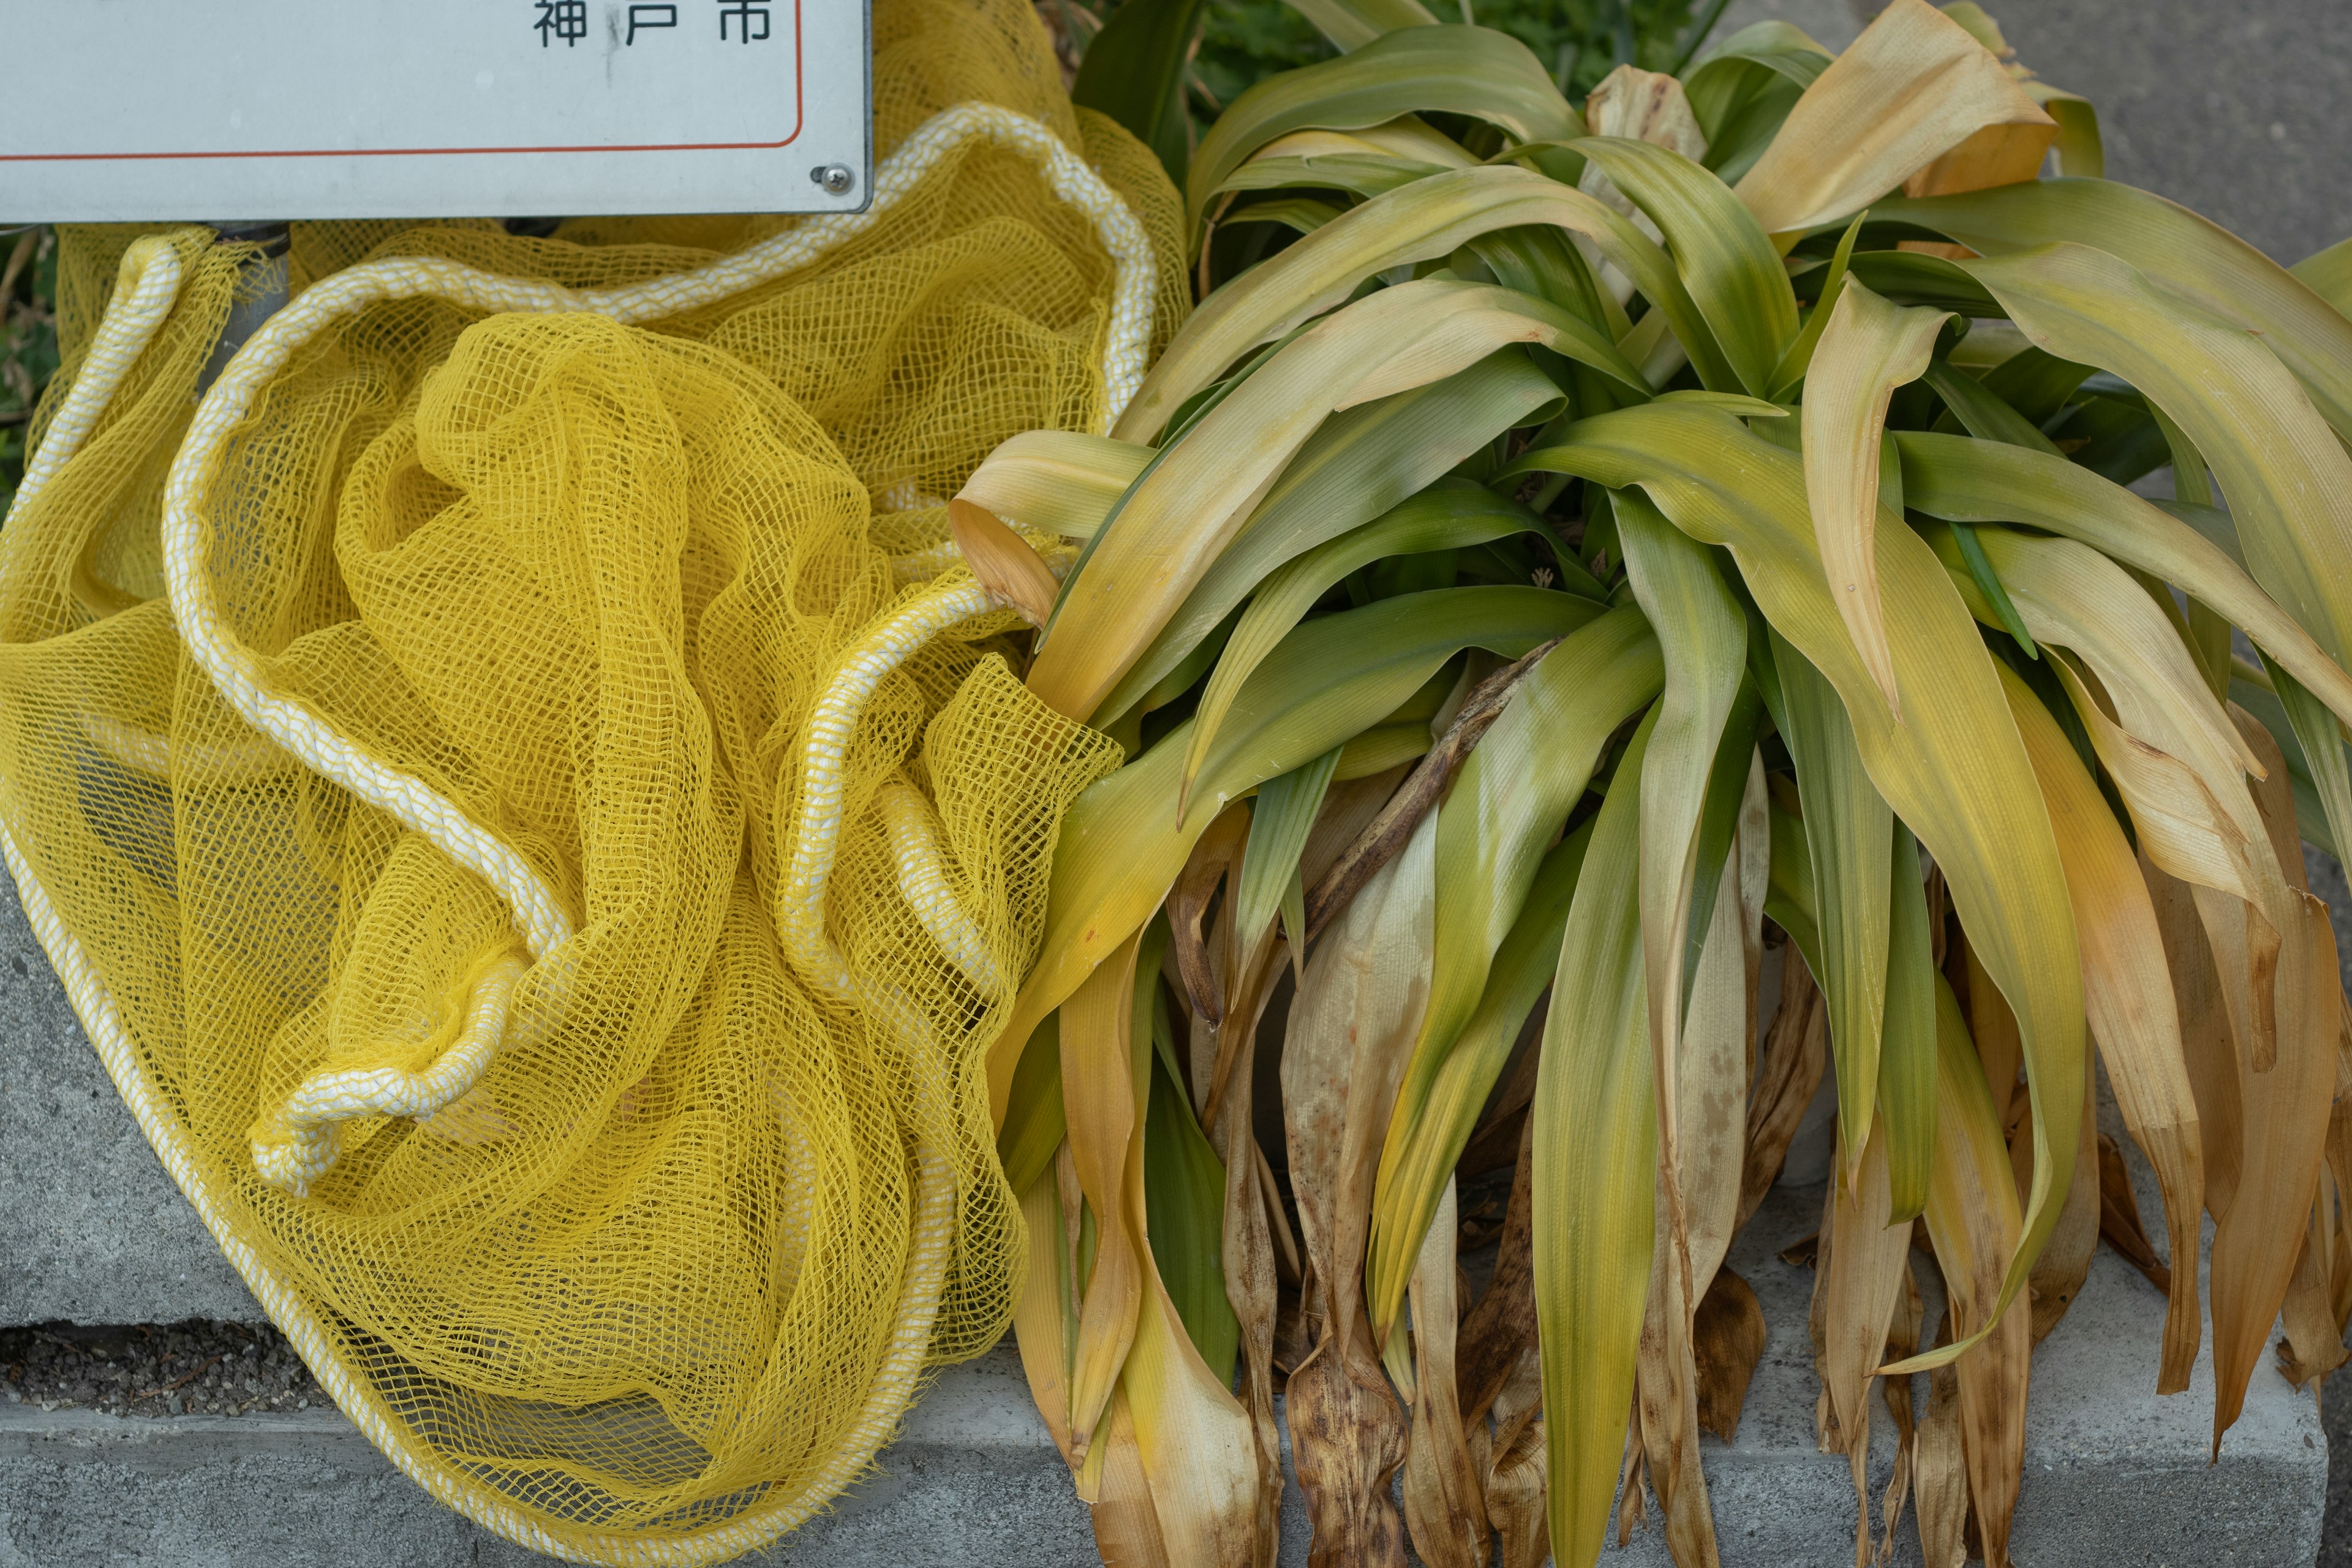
x=163, y=109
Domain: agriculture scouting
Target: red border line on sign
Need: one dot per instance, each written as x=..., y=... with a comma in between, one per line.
x=800, y=120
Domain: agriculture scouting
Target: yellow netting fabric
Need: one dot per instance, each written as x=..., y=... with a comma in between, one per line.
x=688, y=1185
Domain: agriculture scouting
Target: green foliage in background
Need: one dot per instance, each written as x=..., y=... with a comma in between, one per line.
x=1245, y=41
x=29, y=342
x=1148, y=43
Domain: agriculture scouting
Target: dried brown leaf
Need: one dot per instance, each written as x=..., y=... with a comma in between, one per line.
x=1974, y=1221
x=1041, y=1318
x=1217, y=853
x=1710, y=1086
x=1796, y=1053
x=2065, y=1262
x=1516, y=1475
x=2257, y=1239
x=2119, y=1220
x=2206, y=1048
x=1902, y=1343
x=1940, y=1479
x=1354, y=1020
x=1633, y=1483
x=1126, y=1526
x=1499, y=1333
x=2313, y=1344
x=1727, y=1340
x=1252, y=1275
x=1666, y=1395
x=1444, y=1501
x=1857, y=1282
x=1349, y=1438
x=1015, y=575
x=2129, y=1004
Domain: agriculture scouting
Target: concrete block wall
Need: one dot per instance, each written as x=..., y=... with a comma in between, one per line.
x=92, y=1231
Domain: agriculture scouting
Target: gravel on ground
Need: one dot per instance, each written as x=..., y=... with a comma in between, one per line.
x=156, y=1369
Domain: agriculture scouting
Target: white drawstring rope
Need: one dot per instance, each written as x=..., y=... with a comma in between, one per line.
x=129, y=325
x=800, y=917
x=305, y=1134
x=922, y=877
x=145, y=289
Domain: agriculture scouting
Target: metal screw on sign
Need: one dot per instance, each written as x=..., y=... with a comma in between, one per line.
x=835, y=178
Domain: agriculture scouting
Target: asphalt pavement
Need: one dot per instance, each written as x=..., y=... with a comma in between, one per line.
x=2240, y=109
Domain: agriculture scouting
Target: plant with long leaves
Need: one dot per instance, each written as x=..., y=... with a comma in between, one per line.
x=1595, y=553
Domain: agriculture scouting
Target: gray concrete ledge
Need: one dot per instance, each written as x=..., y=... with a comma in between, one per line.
x=2114, y=1474
x=973, y=1481
x=92, y=1231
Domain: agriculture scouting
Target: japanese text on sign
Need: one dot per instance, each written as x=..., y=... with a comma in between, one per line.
x=432, y=108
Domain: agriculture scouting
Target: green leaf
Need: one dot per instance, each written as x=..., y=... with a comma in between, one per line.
x=1184, y=1203
x=1352, y=23
x=1507, y=803
x=2186, y=256
x=1906, y=1057
x=2036, y=382
x=2287, y=476
x=1595, y=1173
x=1449, y=515
x=1989, y=584
x=1912, y=277
x=1732, y=270
x=2261, y=702
x=1358, y=173
x=1379, y=748
x=1364, y=462
x=1789, y=890
x=1718, y=824
x=1703, y=635
x=1870, y=347
x=1134, y=72
x=1982, y=411
x=2082, y=151
x=1544, y=262
x=2192, y=812
x=1419, y=221
x=1198, y=496
x=1954, y=478
x=2315, y=736
x=1302, y=214
x=1284, y=815
x=1189, y=670
x=1294, y=916
x=1849, y=832
x=1745, y=86
x=2209, y=633
x=2328, y=274
x=1799, y=357
x=1473, y=71
x=1034, y=1124
x=1955, y=769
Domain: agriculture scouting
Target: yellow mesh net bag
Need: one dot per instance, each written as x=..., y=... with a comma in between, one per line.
x=536, y=823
